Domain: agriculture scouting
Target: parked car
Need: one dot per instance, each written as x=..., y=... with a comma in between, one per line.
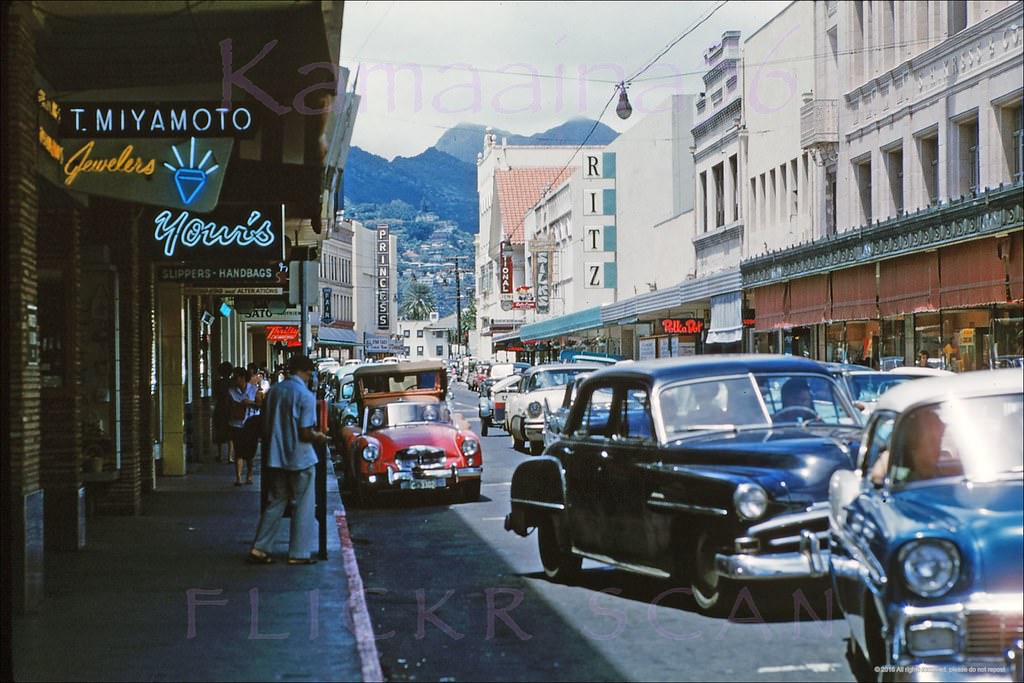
x=407, y=436
x=705, y=469
x=927, y=541
x=501, y=370
x=524, y=412
x=491, y=406
x=554, y=417
x=866, y=386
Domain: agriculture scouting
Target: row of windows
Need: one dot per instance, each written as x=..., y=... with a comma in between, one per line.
x=961, y=159
x=437, y=334
x=775, y=194
x=336, y=269
x=341, y=307
x=438, y=351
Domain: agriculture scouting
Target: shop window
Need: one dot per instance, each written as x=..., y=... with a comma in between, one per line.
x=892, y=350
x=1008, y=339
x=929, y=155
x=956, y=14
x=703, y=202
x=970, y=160
x=733, y=171
x=894, y=168
x=862, y=176
x=928, y=337
x=1011, y=134
x=719, y=180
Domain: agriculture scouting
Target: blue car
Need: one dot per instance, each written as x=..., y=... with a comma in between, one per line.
x=927, y=535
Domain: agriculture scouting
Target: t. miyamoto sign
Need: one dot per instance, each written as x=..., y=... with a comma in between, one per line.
x=229, y=235
x=150, y=120
x=383, y=278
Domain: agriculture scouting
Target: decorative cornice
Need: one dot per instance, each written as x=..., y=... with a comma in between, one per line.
x=995, y=211
x=726, y=233
x=718, y=117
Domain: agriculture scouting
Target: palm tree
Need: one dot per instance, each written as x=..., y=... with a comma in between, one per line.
x=418, y=302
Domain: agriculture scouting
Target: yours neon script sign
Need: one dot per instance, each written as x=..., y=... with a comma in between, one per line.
x=227, y=235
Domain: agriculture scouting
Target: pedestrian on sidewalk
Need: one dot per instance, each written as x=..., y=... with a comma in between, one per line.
x=289, y=416
x=222, y=410
x=244, y=408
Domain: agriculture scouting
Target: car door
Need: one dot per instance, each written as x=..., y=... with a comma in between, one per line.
x=580, y=452
x=622, y=475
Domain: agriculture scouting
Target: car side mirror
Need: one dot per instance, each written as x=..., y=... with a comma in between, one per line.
x=843, y=489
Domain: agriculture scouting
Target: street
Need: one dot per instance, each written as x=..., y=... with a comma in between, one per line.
x=453, y=596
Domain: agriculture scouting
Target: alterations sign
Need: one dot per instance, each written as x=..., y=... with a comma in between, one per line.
x=383, y=278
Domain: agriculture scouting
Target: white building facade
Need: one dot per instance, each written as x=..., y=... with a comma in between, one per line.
x=926, y=251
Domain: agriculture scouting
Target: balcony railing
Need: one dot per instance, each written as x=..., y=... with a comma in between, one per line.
x=819, y=123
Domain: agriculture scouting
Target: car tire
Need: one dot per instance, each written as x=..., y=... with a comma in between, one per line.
x=484, y=423
x=860, y=667
x=517, y=443
x=536, y=447
x=712, y=592
x=559, y=564
x=471, y=491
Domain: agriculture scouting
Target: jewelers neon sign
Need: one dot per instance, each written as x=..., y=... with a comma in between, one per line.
x=192, y=231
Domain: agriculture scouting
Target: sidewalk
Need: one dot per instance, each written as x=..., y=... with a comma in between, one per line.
x=119, y=609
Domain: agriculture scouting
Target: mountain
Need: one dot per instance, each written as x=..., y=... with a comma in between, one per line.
x=465, y=140
x=442, y=179
x=431, y=179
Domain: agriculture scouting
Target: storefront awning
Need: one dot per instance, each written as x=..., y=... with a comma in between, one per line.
x=337, y=336
x=1016, y=266
x=587, y=319
x=726, y=318
x=971, y=274
x=853, y=293
x=808, y=300
x=771, y=304
x=909, y=284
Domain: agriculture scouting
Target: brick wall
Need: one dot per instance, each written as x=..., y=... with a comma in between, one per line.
x=22, y=385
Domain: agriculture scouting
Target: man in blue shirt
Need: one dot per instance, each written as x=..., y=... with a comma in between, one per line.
x=289, y=415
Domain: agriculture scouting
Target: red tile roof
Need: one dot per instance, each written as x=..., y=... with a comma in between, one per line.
x=519, y=190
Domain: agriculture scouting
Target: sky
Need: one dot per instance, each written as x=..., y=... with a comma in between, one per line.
x=424, y=67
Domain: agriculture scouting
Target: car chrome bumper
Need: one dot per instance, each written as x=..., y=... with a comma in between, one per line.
x=984, y=660
x=753, y=567
x=533, y=428
x=394, y=478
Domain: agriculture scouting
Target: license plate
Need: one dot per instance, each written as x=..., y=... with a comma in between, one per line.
x=423, y=484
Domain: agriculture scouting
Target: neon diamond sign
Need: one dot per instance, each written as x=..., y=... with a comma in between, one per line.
x=190, y=180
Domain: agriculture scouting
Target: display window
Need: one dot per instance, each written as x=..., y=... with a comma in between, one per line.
x=892, y=343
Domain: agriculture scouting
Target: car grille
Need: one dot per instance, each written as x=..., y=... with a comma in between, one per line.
x=992, y=634
x=424, y=457
x=782, y=534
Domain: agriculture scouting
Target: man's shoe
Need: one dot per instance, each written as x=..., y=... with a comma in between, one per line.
x=301, y=560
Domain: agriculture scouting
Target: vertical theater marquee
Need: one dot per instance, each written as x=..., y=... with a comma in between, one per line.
x=383, y=278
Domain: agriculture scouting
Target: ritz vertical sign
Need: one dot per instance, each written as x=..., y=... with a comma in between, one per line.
x=383, y=278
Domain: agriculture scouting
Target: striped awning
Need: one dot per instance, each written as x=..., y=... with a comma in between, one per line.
x=587, y=319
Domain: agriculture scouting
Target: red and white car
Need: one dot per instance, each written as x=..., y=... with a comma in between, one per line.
x=407, y=437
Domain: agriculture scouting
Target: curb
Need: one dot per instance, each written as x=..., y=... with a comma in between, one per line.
x=360, y=616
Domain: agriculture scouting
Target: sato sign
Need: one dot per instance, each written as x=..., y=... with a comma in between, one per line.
x=231, y=234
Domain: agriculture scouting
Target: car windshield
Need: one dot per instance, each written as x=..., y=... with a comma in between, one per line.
x=548, y=379
x=736, y=402
x=401, y=413
x=868, y=386
x=979, y=438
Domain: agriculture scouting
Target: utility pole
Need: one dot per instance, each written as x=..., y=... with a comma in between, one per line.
x=458, y=303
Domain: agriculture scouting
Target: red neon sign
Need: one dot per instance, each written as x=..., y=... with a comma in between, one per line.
x=283, y=333
x=678, y=326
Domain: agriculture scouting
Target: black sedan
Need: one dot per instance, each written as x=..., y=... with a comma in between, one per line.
x=713, y=469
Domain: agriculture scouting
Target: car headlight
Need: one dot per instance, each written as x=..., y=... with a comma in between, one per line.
x=930, y=566
x=371, y=452
x=470, y=447
x=377, y=418
x=750, y=500
x=534, y=409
